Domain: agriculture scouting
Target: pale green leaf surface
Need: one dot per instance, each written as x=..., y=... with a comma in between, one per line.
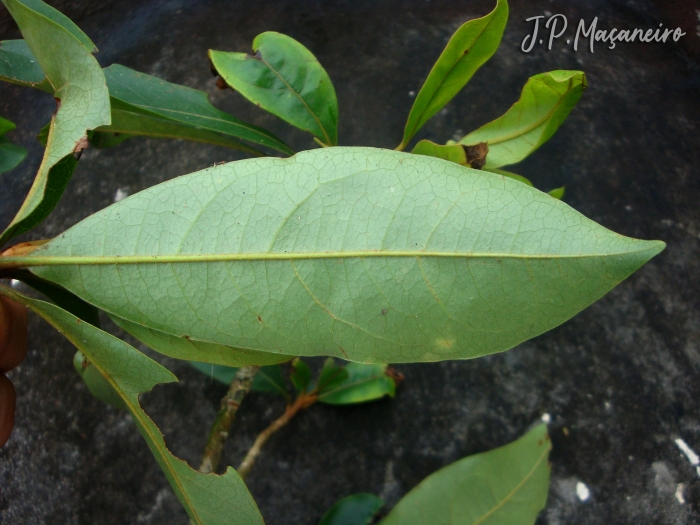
x=286, y=79
x=468, y=49
x=365, y=254
x=505, y=486
x=193, y=350
x=78, y=82
x=363, y=383
x=46, y=11
x=209, y=499
x=358, y=509
x=146, y=105
x=545, y=102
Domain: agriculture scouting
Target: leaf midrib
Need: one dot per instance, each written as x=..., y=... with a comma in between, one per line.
x=68, y=260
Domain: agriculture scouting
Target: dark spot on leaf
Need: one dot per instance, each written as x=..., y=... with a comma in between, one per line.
x=342, y=350
x=476, y=155
x=260, y=319
x=398, y=377
x=80, y=147
x=186, y=337
x=384, y=311
x=77, y=321
x=58, y=104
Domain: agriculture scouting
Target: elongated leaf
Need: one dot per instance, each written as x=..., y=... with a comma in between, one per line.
x=365, y=254
x=301, y=375
x=193, y=350
x=146, y=105
x=506, y=486
x=363, y=383
x=545, y=102
x=79, y=84
x=284, y=78
x=454, y=152
x=10, y=154
x=468, y=49
x=268, y=378
x=209, y=499
x=358, y=509
x=19, y=66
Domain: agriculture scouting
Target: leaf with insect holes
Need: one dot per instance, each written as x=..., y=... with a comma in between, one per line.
x=468, y=49
x=364, y=254
x=286, y=79
x=358, y=509
x=209, y=499
x=507, y=485
x=362, y=383
x=545, y=102
x=77, y=80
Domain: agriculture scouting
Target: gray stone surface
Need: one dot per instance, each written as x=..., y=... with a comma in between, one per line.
x=620, y=381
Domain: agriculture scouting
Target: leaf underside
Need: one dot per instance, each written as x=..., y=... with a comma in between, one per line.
x=505, y=486
x=364, y=254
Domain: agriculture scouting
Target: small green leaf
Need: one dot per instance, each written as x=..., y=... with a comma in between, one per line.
x=330, y=377
x=284, y=78
x=146, y=105
x=96, y=383
x=557, y=193
x=301, y=375
x=454, y=153
x=468, y=49
x=19, y=66
x=59, y=296
x=505, y=486
x=209, y=499
x=363, y=383
x=268, y=379
x=79, y=84
x=358, y=509
x=510, y=175
x=545, y=102
x=364, y=254
x=10, y=154
x=193, y=350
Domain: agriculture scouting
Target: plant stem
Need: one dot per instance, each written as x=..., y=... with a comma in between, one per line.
x=301, y=402
x=240, y=386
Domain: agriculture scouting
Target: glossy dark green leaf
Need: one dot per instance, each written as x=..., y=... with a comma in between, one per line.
x=58, y=295
x=330, y=377
x=505, y=486
x=545, y=102
x=96, y=382
x=19, y=66
x=557, y=193
x=79, y=84
x=363, y=383
x=146, y=105
x=209, y=499
x=10, y=154
x=468, y=49
x=301, y=375
x=284, y=78
x=358, y=509
x=364, y=254
x=191, y=349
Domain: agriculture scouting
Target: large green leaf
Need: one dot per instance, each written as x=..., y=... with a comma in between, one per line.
x=358, y=509
x=363, y=383
x=545, y=102
x=193, y=350
x=19, y=66
x=209, y=499
x=505, y=486
x=360, y=253
x=468, y=49
x=78, y=83
x=146, y=105
x=10, y=154
x=284, y=78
